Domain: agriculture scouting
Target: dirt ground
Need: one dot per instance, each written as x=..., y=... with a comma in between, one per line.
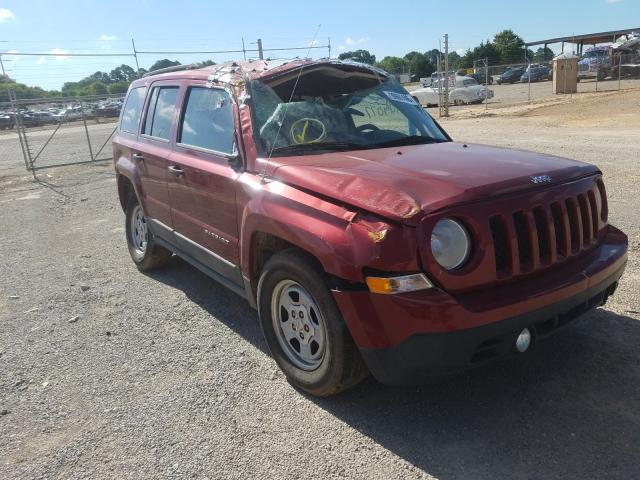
x=109, y=373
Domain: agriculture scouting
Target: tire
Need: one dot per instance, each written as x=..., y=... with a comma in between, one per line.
x=147, y=256
x=290, y=279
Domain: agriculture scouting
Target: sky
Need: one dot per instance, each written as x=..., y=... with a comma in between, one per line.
x=384, y=28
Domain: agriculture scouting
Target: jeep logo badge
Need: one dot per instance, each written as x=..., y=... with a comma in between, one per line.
x=540, y=179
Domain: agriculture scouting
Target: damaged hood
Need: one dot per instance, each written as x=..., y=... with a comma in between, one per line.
x=401, y=182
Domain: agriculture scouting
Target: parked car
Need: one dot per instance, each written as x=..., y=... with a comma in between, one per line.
x=425, y=81
x=537, y=74
x=108, y=111
x=45, y=117
x=512, y=75
x=482, y=78
x=7, y=121
x=465, y=90
x=69, y=114
x=31, y=119
x=366, y=238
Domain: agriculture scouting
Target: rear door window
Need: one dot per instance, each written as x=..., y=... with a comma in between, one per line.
x=208, y=120
x=131, y=112
x=160, y=112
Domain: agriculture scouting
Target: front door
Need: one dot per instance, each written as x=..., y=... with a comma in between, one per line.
x=202, y=183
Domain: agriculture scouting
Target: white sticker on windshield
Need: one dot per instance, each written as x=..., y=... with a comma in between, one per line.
x=400, y=97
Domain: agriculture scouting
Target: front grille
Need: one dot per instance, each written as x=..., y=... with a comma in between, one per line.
x=530, y=239
x=583, y=67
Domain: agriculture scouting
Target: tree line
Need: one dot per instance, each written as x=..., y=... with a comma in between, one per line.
x=98, y=83
x=505, y=48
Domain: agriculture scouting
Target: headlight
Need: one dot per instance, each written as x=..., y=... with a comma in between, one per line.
x=450, y=243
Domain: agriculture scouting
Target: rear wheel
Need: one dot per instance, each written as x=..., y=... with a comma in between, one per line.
x=303, y=327
x=145, y=253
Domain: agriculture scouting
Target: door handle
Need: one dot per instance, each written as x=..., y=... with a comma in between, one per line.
x=177, y=171
x=138, y=156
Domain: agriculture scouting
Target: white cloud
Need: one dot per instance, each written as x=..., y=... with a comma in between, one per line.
x=613, y=1
x=107, y=38
x=60, y=54
x=6, y=15
x=359, y=41
x=40, y=61
x=313, y=43
x=342, y=47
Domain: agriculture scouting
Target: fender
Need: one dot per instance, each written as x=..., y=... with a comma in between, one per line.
x=343, y=240
x=126, y=168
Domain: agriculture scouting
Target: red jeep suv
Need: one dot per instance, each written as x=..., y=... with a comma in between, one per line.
x=366, y=238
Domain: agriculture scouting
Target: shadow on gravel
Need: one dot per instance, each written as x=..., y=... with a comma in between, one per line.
x=226, y=307
x=568, y=409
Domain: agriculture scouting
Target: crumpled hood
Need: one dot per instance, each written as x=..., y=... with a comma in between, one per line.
x=400, y=182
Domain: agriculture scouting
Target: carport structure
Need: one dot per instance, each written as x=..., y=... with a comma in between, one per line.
x=581, y=40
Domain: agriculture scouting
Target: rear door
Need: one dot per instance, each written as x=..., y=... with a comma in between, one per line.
x=154, y=148
x=202, y=183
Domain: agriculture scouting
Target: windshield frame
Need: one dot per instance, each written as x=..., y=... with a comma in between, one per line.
x=340, y=146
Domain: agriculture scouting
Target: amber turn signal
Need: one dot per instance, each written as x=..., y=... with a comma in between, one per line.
x=404, y=283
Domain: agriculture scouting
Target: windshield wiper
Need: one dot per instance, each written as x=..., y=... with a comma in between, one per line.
x=312, y=147
x=408, y=140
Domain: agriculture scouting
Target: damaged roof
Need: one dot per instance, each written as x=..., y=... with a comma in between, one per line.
x=238, y=71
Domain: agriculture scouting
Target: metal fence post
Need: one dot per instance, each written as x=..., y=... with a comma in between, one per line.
x=486, y=84
x=86, y=131
x=529, y=78
x=619, y=68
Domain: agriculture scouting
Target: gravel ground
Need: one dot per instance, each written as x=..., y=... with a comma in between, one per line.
x=110, y=373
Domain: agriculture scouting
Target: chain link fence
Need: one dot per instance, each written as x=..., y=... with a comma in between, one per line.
x=56, y=132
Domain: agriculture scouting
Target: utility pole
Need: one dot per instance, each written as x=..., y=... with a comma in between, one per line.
x=244, y=52
x=446, y=75
x=260, y=54
x=329, y=46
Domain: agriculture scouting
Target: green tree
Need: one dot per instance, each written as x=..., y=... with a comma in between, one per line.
x=21, y=90
x=542, y=55
x=509, y=46
x=419, y=64
x=454, y=60
x=118, y=87
x=122, y=73
x=362, y=56
x=393, y=65
x=164, y=63
x=485, y=50
x=432, y=56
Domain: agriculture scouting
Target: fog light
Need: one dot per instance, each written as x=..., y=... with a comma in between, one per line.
x=523, y=341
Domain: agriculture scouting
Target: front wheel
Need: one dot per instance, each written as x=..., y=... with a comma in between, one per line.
x=303, y=327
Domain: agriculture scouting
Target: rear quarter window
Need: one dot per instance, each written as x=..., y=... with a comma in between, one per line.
x=132, y=109
x=160, y=112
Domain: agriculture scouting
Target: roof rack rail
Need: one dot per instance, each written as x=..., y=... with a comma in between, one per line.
x=175, y=68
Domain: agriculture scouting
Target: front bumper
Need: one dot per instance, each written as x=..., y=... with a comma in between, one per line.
x=407, y=338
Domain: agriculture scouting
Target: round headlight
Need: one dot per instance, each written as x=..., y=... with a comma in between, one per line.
x=450, y=243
